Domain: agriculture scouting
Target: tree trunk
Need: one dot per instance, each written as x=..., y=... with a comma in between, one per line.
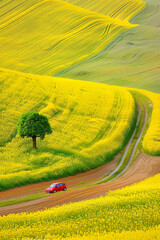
x=34, y=142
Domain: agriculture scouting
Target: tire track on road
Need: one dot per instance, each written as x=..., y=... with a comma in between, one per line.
x=127, y=147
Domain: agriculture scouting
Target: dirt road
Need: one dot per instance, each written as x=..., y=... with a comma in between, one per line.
x=144, y=167
x=127, y=148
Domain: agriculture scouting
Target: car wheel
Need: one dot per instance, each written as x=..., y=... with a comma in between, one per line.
x=54, y=191
x=64, y=189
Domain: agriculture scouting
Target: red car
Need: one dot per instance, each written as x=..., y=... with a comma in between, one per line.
x=55, y=187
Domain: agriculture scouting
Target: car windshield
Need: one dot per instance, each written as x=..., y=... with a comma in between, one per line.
x=52, y=185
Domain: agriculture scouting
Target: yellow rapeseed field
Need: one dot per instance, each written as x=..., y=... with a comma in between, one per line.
x=152, y=233
x=129, y=213
x=46, y=36
x=91, y=122
x=122, y=10
x=151, y=142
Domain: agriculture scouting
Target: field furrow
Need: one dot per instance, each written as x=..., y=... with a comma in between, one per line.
x=60, y=34
x=132, y=59
x=123, y=10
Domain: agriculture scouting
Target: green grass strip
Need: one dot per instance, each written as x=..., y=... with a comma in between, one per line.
x=22, y=200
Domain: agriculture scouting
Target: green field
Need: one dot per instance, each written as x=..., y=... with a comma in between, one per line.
x=46, y=36
x=132, y=60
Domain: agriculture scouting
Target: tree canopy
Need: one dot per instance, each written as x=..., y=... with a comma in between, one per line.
x=33, y=124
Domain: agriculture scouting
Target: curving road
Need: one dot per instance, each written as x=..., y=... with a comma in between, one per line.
x=143, y=167
x=127, y=147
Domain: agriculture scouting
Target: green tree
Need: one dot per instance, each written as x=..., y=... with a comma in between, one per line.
x=33, y=125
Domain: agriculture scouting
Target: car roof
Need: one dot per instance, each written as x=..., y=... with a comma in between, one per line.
x=57, y=183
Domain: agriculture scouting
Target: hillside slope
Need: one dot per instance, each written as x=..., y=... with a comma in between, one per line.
x=46, y=36
x=86, y=118
x=132, y=60
x=122, y=10
x=151, y=142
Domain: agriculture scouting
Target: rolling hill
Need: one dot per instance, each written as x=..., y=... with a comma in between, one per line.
x=86, y=119
x=151, y=141
x=91, y=123
x=85, y=116
x=122, y=10
x=132, y=60
x=46, y=36
x=47, y=48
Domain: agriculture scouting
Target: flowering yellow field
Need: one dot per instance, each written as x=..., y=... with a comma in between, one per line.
x=91, y=122
x=133, y=211
x=46, y=36
x=151, y=142
x=122, y=10
x=152, y=233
